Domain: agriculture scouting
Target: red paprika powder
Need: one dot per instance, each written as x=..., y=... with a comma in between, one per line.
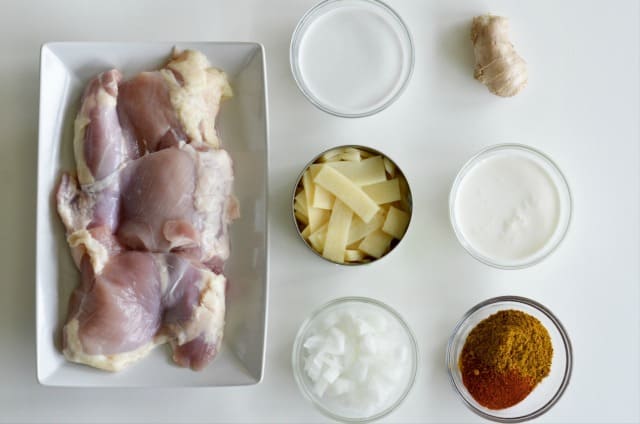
x=492, y=389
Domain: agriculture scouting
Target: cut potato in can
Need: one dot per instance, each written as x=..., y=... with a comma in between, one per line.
x=360, y=229
x=318, y=237
x=396, y=222
x=384, y=192
x=390, y=167
x=376, y=244
x=302, y=218
x=317, y=217
x=322, y=199
x=348, y=192
x=337, y=232
x=365, y=172
x=352, y=205
x=353, y=255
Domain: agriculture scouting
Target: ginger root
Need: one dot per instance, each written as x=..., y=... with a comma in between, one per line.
x=498, y=66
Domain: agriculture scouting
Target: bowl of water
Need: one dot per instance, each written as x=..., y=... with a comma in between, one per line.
x=351, y=58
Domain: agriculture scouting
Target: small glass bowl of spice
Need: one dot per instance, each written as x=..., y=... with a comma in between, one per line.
x=509, y=359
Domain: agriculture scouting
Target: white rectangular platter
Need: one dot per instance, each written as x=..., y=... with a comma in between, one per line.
x=65, y=68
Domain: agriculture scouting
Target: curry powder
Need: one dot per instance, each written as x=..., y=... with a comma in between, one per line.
x=504, y=357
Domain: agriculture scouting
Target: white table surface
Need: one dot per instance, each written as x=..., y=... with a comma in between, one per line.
x=581, y=107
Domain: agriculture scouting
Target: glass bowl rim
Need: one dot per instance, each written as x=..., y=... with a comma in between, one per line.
x=313, y=161
x=297, y=346
x=469, y=164
x=294, y=66
x=565, y=341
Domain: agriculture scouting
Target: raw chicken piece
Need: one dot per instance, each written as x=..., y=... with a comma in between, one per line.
x=90, y=219
x=140, y=300
x=170, y=200
x=146, y=112
x=147, y=216
x=178, y=200
x=99, y=144
x=101, y=150
x=177, y=103
x=194, y=306
x=114, y=316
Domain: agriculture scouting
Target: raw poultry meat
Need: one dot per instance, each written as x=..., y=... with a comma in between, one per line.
x=147, y=216
x=161, y=108
x=185, y=208
x=140, y=300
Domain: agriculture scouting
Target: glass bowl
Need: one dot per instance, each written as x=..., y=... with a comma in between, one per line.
x=316, y=318
x=351, y=58
x=371, y=151
x=564, y=202
x=547, y=392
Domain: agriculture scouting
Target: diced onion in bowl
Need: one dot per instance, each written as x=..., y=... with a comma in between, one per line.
x=357, y=359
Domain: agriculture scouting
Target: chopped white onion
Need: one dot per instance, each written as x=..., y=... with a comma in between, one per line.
x=320, y=386
x=313, y=342
x=358, y=359
x=359, y=370
x=340, y=386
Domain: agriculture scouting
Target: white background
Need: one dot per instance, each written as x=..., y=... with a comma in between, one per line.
x=581, y=107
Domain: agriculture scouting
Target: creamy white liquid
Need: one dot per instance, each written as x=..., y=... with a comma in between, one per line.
x=507, y=207
x=352, y=59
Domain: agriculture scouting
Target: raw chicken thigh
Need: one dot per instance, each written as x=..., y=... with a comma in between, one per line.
x=159, y=109
x=186, y=206
x=142, y=299
x=147, y=216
